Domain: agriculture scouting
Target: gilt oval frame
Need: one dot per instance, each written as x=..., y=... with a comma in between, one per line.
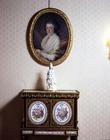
x=35, y=31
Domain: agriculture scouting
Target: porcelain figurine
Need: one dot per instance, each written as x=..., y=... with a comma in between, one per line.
x=51, y=80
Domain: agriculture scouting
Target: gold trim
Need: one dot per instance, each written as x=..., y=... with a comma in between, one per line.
x=47, y=94
x=30, y=29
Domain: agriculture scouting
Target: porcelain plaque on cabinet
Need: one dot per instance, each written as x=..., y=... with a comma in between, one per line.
x=37, y=112
x=62, y=112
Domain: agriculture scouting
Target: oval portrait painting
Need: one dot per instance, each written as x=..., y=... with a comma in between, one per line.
x=49, y=36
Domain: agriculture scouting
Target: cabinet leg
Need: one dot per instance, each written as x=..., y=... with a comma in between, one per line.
x=24, y=137
x=68, y=138
x=73, y=138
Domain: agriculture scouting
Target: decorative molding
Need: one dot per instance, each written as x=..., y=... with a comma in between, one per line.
x=49, y=132
x=27, y=132
x=49, y=94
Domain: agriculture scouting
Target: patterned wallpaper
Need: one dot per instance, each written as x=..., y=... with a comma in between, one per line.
x=87, y=68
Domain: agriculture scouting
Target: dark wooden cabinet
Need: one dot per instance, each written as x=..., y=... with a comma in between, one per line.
x=50, y=113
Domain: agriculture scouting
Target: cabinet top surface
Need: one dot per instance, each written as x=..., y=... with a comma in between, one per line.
x=25, y=93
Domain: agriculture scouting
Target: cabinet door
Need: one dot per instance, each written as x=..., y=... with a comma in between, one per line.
x=62, y=113
x=37, y=113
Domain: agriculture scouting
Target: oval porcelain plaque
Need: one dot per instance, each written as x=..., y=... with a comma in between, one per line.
x=37, y=112
x=62, y=112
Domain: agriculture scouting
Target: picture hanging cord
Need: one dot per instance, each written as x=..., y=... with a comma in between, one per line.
x=48, y=3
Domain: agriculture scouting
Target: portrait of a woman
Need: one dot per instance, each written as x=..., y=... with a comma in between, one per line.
x=50, y=43
x=49, y=36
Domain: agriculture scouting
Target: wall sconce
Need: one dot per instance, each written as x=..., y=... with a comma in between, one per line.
x=108, y=47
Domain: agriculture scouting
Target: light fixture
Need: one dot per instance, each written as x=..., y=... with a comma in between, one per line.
x=106, y=39
x=108, y=47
